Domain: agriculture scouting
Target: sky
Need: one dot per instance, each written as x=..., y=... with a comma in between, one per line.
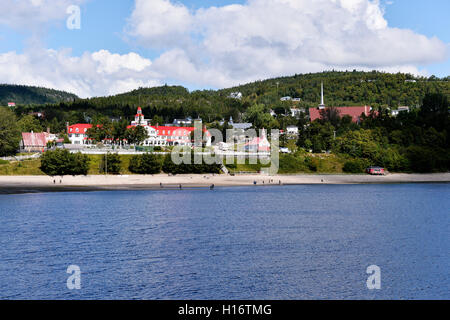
x=120, y=45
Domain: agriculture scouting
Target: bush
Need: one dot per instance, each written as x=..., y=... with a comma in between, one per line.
x=355, y=166
x=170, y=167
x=112, y=162
x=312, y=163
x=3, y=161
x=61, y=162
x=145, y=164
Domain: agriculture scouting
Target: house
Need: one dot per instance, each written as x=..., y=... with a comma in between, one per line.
x=11, y=104
x=296, y=99
x=169, y=135
x=292, y=130
x=395, y=113
x=286, y=98
x=183, y=122
x=295, y=112
x=34, y=141
x=235, y=95
x=258, y=144
x=354, y=112
x=77, y=133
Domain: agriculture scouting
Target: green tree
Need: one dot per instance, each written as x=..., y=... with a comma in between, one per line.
x=145, y=164
x=110, y=163
x=9, y=133
x=136, y=135
x=29, y=123
x=61, y=162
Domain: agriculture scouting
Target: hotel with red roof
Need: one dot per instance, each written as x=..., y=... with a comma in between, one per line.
x=157, y=135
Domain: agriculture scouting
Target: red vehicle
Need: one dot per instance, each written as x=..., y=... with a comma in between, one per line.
x=375, y=171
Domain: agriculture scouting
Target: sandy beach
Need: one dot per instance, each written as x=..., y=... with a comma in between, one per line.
x=26, y=184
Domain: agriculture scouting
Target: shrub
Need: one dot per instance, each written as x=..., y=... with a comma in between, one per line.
x=312, y=163
x=112, y=163
x=61, y=162
x=145, y=164
x=3, y=161
x=355, y=166
x=170, y=167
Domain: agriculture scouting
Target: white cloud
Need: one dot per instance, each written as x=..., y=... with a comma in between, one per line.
x=92, y=74
x=223, y=46
x=219, y=46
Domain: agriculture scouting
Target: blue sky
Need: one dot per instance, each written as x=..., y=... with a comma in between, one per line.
x=105, y=25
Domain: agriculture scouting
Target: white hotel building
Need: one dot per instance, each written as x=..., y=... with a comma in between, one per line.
x=157, y=135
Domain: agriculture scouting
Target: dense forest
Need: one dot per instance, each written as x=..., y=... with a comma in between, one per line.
x=377, y=89
x=27, y=95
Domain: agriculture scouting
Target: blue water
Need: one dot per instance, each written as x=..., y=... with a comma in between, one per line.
x=290, y=242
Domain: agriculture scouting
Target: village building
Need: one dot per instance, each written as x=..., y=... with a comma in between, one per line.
x=354, y=112
x=157, y=135
x=36, y=141
x=258, y=144
x=292, y=130
x=395, y=113
x=77, y=133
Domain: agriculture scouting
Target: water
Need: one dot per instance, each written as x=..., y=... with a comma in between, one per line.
x=291, y=242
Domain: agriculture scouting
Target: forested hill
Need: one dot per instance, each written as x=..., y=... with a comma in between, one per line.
x=25, y=95
x=346, y=88
x=376, y=89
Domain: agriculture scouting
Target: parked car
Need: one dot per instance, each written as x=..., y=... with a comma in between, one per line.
x=375, y=170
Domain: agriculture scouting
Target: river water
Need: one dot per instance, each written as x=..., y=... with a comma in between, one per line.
x=288, y=242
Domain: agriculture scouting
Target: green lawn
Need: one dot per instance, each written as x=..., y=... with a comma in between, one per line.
x=289, y=164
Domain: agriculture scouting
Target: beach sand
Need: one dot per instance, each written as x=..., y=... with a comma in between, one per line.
x=27, y=184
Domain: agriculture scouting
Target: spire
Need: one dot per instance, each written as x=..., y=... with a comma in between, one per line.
x=322, y=102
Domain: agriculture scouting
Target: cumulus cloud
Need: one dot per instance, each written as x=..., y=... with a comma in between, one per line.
x=92, y=74
x=223, y=46
x=219, y=46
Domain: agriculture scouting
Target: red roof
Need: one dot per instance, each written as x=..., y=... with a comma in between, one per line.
x=79, y=128
x=34, y=139
x=354, y=112
x=173, y=131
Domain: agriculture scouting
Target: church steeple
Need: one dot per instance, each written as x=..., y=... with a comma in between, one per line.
x=322, y=102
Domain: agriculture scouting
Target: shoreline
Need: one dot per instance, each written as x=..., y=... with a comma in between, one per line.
x=36, y=184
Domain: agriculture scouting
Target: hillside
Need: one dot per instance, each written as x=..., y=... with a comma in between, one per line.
x=345, y=88
x=25, y=95
x=377, y=89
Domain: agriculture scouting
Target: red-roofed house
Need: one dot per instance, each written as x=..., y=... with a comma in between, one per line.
x=77, y=133
x=33, y=141
x=354, y=112
x=166, y=135
x=258, y=144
